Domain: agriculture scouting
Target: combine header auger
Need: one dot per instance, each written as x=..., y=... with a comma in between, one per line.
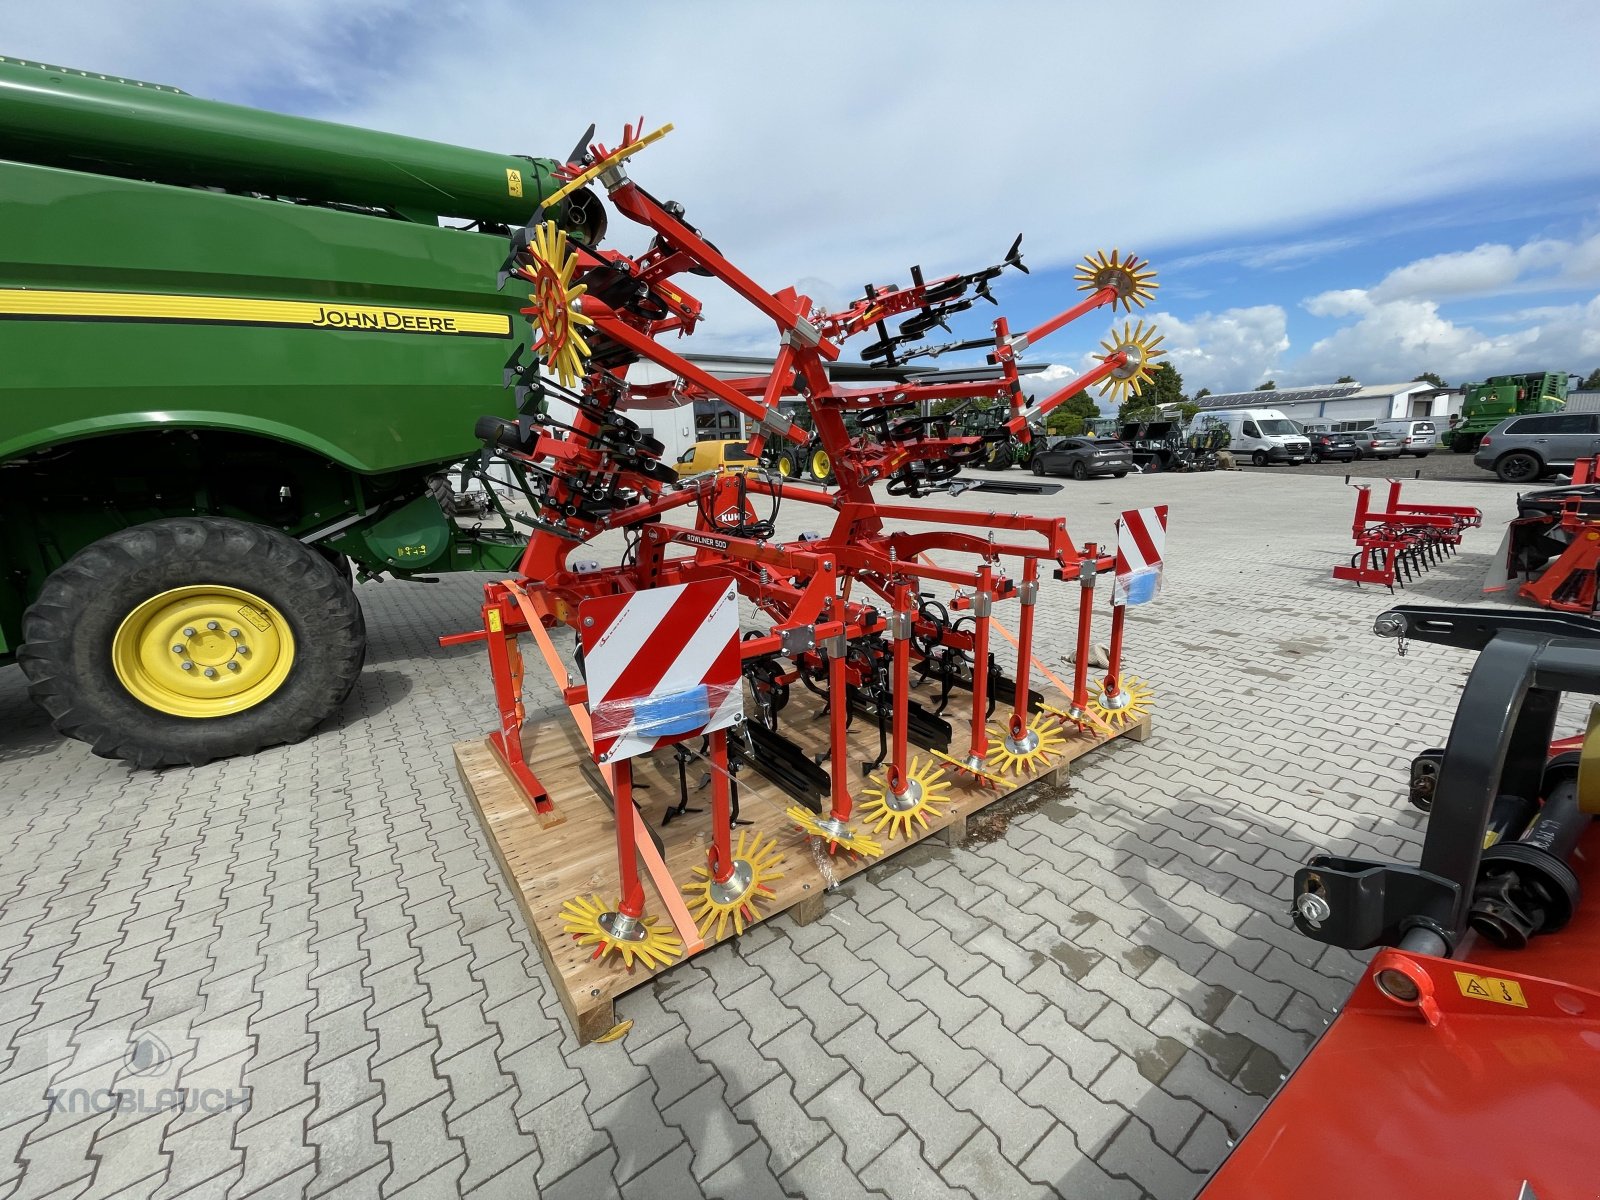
x=847, y=611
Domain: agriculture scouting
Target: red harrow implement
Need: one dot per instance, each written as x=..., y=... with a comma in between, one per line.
x=849, y=613
x=1403, y=540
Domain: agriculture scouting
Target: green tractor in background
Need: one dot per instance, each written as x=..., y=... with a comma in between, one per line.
x=1488, y=403
x=243, y=363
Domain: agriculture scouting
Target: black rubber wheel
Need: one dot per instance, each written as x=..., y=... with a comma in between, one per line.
x=1079, y=471
x=788, y=465
x=1259, y=458
x=69, y=631
x=998, y=457
x=1038, y=467
x=1518, y=467
x=1119, y=474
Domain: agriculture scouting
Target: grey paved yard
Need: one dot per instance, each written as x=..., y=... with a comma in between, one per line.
x=317, y=945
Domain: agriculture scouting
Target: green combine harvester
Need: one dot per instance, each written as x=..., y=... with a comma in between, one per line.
x=1485, y=405
x=242, y=364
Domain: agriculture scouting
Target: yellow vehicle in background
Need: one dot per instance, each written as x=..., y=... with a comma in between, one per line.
x=732, y=455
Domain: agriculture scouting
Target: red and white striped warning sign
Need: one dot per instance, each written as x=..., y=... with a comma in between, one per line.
x=661, y=665
x=1141, y=545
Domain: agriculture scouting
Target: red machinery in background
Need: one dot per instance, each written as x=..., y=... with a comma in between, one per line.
x=1467, y=1060
x=849, y=612
x=1553, y=545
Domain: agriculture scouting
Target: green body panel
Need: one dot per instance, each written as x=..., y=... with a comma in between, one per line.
x=1488, y=403
x=412, y=537
x=373, y=401
x=61, y=117
x=209, y=309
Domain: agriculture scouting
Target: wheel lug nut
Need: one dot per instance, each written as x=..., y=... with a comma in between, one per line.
x=213, y=626
x=233, y=633
x=188, y=631
x=211, y=672
x=233, y=666
x=187, y=665
x=244, y=650
x=177, y=649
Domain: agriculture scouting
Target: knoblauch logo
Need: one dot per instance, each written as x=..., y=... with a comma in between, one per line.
x=144, y=1071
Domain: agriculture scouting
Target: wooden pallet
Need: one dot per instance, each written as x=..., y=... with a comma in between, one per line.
x=549, y=862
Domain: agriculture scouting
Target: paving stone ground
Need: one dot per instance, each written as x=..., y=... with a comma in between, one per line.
x=301, y=974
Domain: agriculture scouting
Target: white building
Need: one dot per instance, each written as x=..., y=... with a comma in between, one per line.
x=1349, y=405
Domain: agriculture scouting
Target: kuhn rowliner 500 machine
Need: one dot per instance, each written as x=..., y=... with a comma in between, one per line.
x=848, y=612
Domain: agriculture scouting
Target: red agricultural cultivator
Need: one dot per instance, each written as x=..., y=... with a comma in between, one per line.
x=1402, y=541
x=884, y=592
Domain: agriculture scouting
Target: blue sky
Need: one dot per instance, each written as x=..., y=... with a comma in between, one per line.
x=1360, y=188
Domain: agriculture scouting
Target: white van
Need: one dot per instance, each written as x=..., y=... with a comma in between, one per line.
x=1263, y=435
x=1416, y=437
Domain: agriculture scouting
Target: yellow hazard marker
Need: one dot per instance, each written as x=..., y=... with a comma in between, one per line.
x=1141, y=344
x=1040, y=741
x=715, y=906
x=1131, y=277
x=884, y=809
x=555, y=316
x=1128, y=706
x=838, y=834
x=1491, y=989
x=592, y=923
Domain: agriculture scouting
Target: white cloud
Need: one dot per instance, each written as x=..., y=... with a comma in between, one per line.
x=1494, y=268
x=860, y=138
x=1227, y=351
x=1397, y=339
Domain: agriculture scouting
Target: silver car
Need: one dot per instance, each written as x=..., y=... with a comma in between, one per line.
x=1377, y=443
x=1521, y=449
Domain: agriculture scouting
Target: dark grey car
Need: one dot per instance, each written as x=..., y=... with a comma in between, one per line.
x=1521, y=449
x=1083, y=457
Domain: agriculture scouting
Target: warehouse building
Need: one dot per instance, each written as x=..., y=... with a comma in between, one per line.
x=1349, y=405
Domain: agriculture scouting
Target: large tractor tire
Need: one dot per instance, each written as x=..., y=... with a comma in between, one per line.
x=998, y=457
x=192, y=638
x=786, y=464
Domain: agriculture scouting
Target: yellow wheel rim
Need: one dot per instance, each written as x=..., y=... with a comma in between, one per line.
x=821, y=464
x=785, y=466
x=204, y=651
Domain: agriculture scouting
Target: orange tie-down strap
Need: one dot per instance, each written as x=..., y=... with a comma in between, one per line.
x=677, y=910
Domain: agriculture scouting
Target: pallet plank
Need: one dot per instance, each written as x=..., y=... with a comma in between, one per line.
x=548, y=864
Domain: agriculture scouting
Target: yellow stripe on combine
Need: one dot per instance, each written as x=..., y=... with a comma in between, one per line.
x=135, y=306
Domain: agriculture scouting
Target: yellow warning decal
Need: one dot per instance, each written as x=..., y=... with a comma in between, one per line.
x=513, y=182
x=39, y=304
x=1491, y=989
x=494, y=620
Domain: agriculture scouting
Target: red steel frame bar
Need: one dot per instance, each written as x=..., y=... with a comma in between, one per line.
x=1029, y=599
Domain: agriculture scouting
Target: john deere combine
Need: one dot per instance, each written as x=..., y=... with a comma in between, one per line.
x=240, y=355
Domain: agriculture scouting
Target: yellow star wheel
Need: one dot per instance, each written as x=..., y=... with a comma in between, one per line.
x=643, y=939
x=714, y=906
x=884, y=809
x=1039, y=741
x=1134, y=281
x=838, y=835
x=1140, y=343
x=554, y=314
x=1130, y=704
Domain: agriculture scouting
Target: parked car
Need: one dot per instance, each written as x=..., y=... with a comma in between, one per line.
x=1082, y=457
x=1521, y=449
x=1333, y=447
x=1416, y=437
x=1375, y=443
x=708, y=456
